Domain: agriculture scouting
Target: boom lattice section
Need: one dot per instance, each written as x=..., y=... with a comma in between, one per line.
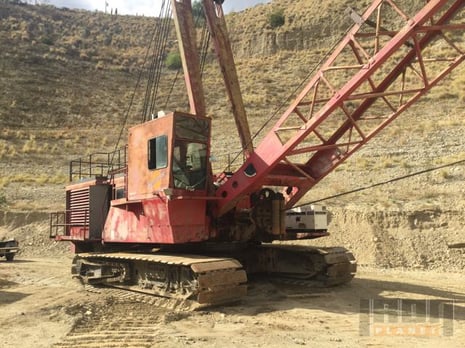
x=386, y=62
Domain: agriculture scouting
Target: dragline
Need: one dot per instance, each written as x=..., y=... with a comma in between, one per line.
x=162, y=222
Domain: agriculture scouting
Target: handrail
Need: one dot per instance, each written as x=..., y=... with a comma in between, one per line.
x=99, y=164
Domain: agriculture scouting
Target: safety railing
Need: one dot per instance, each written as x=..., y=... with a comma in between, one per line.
x=100, y=164
x=62, y=222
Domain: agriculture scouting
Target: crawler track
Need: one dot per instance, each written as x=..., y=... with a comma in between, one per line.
x=320, y=267
x=189, y=278
x=191, y=282
x=115, y=294
x=315, y=267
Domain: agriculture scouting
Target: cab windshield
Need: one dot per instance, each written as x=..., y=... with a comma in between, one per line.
x=190, y=154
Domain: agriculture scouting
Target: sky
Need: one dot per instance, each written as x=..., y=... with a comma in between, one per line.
x=145, y=7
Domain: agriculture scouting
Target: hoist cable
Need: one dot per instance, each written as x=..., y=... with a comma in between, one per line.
x=131, y=102
x=157, y=61
x=204, y=44
x=158, y=57
x=172, y=88
x=383, y=183
x=155, y=41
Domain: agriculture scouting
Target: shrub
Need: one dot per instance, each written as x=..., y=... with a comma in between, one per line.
x=47, y=41
x=2, y=199
x=276, y=19
x=173, y=61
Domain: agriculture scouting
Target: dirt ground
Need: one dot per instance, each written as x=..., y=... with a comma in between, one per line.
x=41, y=306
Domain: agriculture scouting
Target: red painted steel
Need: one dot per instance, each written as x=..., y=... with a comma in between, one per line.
x=329, y=121
x=154, y=210
x=146, y=205
x=157, y=220
x=143, y=182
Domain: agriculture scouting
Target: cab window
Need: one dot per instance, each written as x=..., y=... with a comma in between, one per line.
x=189, y=165
x=158, y=152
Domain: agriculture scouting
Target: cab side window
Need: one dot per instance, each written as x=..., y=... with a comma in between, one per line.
x=158, y=152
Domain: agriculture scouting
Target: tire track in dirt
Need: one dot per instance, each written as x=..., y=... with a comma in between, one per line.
x=116, y=325
x=125, y=319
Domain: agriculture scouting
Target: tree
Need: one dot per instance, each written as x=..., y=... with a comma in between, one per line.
x=173, y=61
x=276, y=19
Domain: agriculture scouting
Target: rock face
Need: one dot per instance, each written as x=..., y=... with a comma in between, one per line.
x=13, y=220
x=32, y=231
x=268, y=43
x=306, y=27
x=309, y=24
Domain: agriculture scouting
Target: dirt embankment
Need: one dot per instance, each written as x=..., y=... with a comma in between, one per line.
x=417, y=239
x=32, y=232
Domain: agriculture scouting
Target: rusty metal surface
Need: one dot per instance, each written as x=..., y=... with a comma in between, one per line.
x=157, y=220
x=185, y=260
x=216, y=22
x=321, y=266
x=218, y=264
x=143, y=182
x=216, y=279
x=186, y=35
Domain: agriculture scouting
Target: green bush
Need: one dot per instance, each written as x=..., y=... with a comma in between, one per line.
x=173, y=61
x=47, y=41
x=276, y=19
x=2, y=199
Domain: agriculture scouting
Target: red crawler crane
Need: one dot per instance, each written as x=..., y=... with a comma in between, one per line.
x=164, y=224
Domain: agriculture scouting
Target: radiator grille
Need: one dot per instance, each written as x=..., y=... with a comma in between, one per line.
x=79, y=207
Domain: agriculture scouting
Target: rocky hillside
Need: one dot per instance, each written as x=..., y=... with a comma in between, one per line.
x=68, y=67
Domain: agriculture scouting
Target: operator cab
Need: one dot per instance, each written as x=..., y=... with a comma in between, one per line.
x=169, y=152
